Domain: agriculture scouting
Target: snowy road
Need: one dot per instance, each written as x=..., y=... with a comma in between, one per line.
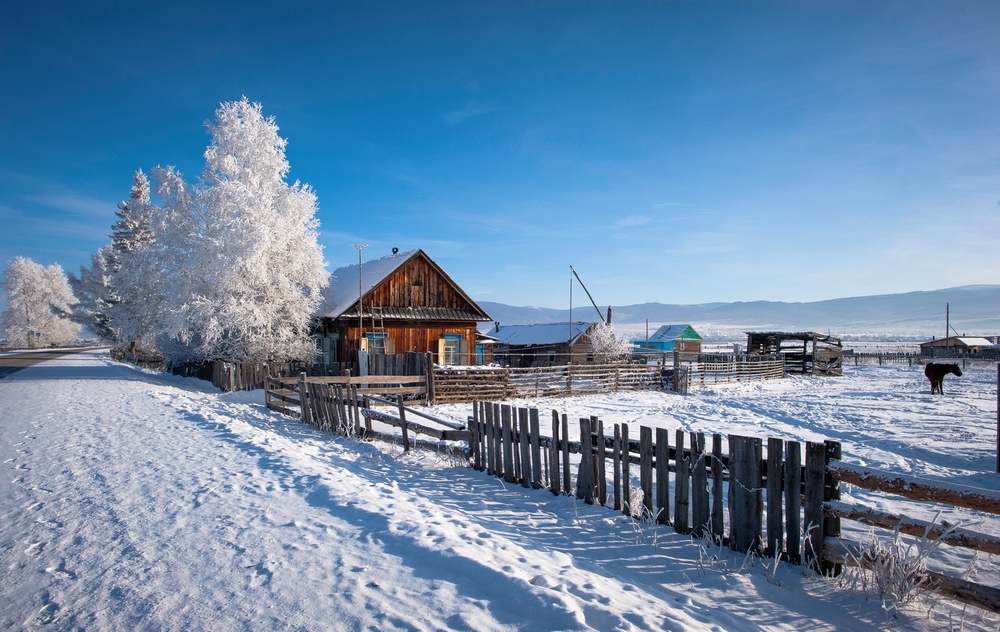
x=130, y=500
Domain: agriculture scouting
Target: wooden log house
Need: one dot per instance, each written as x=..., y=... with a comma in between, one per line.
x=400, y=303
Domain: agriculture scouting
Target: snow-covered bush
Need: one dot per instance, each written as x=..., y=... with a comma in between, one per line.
x=39, y=301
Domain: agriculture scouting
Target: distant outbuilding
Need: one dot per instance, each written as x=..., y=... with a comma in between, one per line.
x=544, y=344
x=955, y=345
x=669, y=338
x=806, y=352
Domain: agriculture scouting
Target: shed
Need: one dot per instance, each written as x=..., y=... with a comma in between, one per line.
x=403, y=302
x=545, y=344
x=806, y=352
x=670, y=337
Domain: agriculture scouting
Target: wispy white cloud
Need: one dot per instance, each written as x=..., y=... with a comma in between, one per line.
x=469, y=110
x=70, y=202
x=633, y=220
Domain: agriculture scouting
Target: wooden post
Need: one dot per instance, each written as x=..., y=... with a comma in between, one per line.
x=616, y=463
x=700, y=510
x=402, y=422
x=831, y=491
x=998, y=417
x=267, y=396
x=718, y=523
x=682, y=481
x=554, y=481
x=662, y=476
x=474, y=437
x=602, y=474
x=585, y=478
x=304, y=399
x=775, y=522
x=793, y=500
x=536, y=449
x=491, y=465
x=507, y=439
x=646, y=466
x=813, y=505
x=745, y=507
x=429, y=365
x=522, y=423
x=368, y=421
x=567, y=485
x=626, y=473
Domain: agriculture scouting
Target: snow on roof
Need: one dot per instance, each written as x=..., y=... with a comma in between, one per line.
x=541, y=334
x=968, y=341
x=666, y=333
x=343, y=290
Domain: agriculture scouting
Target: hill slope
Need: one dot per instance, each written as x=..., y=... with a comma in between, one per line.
x=975, y=309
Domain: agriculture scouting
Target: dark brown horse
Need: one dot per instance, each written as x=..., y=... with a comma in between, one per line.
x=935, y=372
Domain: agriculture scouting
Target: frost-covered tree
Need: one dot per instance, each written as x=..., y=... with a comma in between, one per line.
x=39, y=301
x=94, y=297
x=241, y=260
x=607, y=346
x=134, y=312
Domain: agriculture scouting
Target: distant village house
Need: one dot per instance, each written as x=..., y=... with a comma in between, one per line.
x=956, y=345
x=669, y=338
x=546, y=344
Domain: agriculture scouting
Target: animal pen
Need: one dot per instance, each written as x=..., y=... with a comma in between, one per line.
x=772, y=497
x=807, y=353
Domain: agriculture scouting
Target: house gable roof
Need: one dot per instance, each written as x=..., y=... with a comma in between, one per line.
x=341, y=297
x=540, y=334
x=669, y=333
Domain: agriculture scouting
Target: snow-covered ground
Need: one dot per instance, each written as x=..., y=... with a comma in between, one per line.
x=133, y=500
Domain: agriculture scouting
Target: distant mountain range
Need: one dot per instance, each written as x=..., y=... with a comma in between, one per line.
x=975, y=310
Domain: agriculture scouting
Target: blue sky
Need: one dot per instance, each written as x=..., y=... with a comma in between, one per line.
x=672, y=152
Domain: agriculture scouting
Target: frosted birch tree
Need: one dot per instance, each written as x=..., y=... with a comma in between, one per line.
x=39, y=301
x=243, y=264
x=607, y=346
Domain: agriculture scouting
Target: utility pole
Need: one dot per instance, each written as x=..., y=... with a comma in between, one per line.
x=361, y=295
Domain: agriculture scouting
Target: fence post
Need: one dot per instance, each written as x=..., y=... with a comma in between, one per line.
x=793, y=500
x=522, y=424
x=831, y=491
x=602, y=474
x=646, y=466
x=775, y=532
x=402, y=422
x=745, y=508
x=430, y=378
x=507, y=443
x=304, y=399
x=267, y=391
x=474, y=438
x=682, y=484
x=536, y=451
x=662, y=449
x=585, y=478
x=813, y=506
x=626, y=473
x=718, y=523
x=554, y=482
x=567, y=484
x=700, y=509
x=998, y=417
x=616, y=466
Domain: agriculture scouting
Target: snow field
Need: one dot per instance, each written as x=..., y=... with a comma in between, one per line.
x=137, y=500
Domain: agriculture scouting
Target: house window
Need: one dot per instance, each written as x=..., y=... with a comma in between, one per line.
x=452, y=349
x=376, y=342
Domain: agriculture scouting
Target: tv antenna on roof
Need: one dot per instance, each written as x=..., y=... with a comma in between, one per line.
x=361, y=294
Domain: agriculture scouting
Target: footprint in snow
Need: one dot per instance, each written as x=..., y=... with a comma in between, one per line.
x=60, y=571
x=35, y=548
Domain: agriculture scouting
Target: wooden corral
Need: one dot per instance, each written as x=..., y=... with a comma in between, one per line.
x=402, y=303
x=808, y=353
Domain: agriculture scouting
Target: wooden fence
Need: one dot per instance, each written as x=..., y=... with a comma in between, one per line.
x=475, y=383
x=716, y=368
x=777, y=505
x=309, y=397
